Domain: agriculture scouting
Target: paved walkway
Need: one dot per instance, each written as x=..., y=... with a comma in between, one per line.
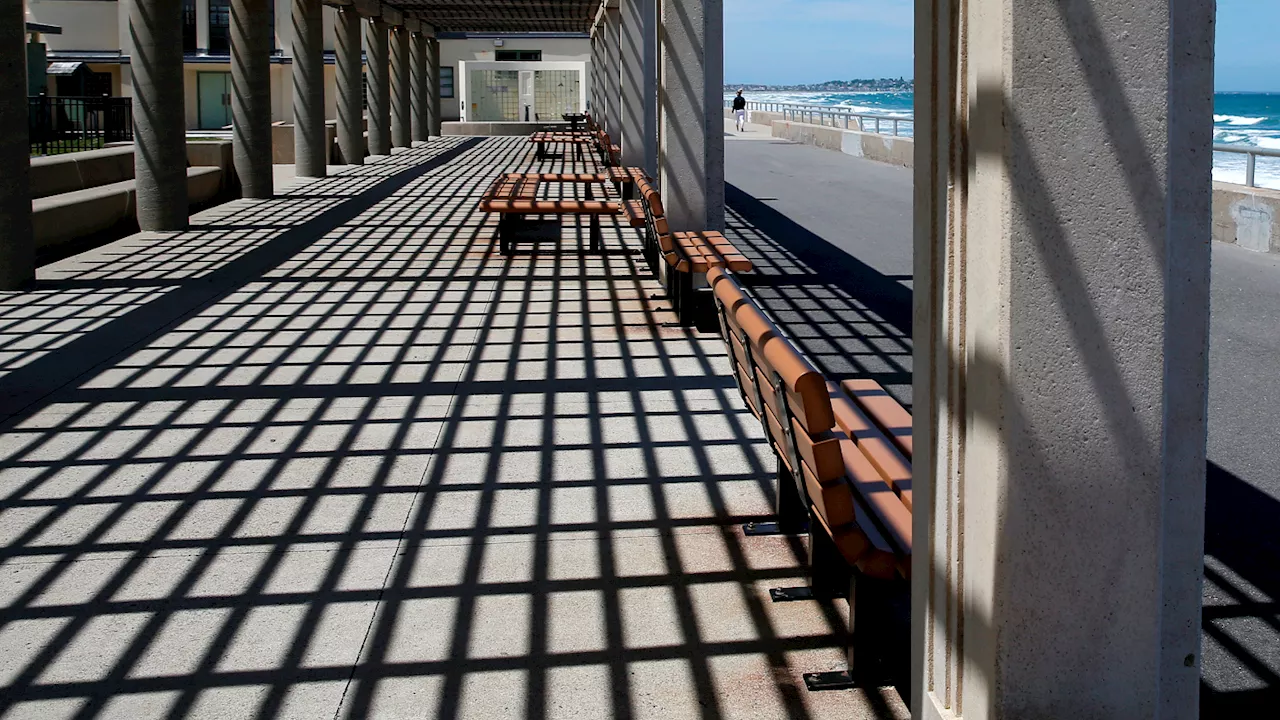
x=329, y=455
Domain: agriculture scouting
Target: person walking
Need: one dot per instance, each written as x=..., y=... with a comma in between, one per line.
x=740, y=112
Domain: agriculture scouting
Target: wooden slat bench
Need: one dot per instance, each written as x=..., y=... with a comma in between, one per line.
x=844, y=463
x=515, y=195
x=687, y=256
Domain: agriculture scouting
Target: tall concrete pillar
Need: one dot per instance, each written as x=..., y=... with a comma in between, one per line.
x=421, y=88
x=349, y=69
x=377, y=50
x=401, y=89
x=433, y=86
x=159, y=122
x=310, y=153
x=17, y=243
x=251, y=97
x=613, y=70
x=691, y=151
x=639, y=42
x=1062, y=195
x=595, y=96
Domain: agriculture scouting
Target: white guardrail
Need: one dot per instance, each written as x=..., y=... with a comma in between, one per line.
x=1251, y=158
x=832, y=116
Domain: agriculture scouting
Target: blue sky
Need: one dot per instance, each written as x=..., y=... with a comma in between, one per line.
x=805, y=41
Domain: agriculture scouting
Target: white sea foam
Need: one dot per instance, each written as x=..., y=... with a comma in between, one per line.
x=1271, y=143
x=1238, y=119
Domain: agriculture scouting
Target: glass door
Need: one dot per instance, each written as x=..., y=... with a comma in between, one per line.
x=213, y=90
x=527, y=113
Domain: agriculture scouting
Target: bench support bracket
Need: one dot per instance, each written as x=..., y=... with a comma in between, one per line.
x=835, y=680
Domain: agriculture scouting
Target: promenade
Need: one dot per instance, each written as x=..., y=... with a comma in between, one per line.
x=832, y=236
x=331, y=455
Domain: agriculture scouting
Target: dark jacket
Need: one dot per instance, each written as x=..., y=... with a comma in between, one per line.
x=739, y=103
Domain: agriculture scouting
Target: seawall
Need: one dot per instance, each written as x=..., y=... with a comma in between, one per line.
x=1244, y=216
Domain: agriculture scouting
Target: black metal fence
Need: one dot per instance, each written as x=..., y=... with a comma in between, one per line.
x=72, y=124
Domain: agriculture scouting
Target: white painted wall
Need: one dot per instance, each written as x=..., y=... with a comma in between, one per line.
x=86, y=25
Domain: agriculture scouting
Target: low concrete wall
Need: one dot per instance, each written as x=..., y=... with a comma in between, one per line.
x=1248, y=217
x=282, y=145
x=90, y=197
x=499, y=128
x=882, y=148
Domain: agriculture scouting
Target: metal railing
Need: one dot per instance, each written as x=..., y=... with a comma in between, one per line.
x=833, y=116
x=1251, y=158
x=73, y=124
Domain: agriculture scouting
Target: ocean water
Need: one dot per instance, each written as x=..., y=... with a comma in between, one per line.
x=1244, y=119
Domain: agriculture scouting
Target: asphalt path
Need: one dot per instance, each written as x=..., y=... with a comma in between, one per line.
x=831, y=236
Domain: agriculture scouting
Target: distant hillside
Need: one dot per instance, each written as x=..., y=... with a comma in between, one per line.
x=880, y=84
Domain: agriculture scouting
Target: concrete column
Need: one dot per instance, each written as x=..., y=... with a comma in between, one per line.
x=691, y=152
x=251, y=97
x=433, y=86
x=613, y=71
x=421, y=88
x=401, y=89
x=377, y=49
x=310, y=152
x=17, y=243
x=1063, y=177
x=349, y=70
x=639, y=42
x=202, y=25
x=597, y=108
x=159, y=122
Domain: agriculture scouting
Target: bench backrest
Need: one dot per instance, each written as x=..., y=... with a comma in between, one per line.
x=790, y=397
x=655, y=218
x=844, y=464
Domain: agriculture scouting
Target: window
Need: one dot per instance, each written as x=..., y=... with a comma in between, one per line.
x=188, y=26
x=446, y=82
x=220, y=26
x=518, y=55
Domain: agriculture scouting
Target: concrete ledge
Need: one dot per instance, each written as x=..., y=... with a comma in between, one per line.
x=489, y=129
x=67, y=217
x=881, y=148
x=1246, y=217
x=55, y=174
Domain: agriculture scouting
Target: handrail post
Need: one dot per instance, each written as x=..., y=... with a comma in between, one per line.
x=1249, y=165
x=895, y=127
x=877, y=125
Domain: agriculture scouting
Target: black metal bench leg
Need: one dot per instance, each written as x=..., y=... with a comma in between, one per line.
x=687, y=303
x=597, y=237
x=828, y=572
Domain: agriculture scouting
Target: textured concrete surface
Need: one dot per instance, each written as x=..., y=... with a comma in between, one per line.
x=401, y=89
x=791, y=208
x=349, y=69
x=433, y=87
x=311, y=141
x=691, y=155
x=378, y=77
x=17, y=244
x=639, y=43
x=1247, y=217
x=331, y=455
x=420, y=79
x=251, y=97
x=155, y=27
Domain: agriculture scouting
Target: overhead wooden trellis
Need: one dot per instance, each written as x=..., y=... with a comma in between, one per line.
x=503, y=15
